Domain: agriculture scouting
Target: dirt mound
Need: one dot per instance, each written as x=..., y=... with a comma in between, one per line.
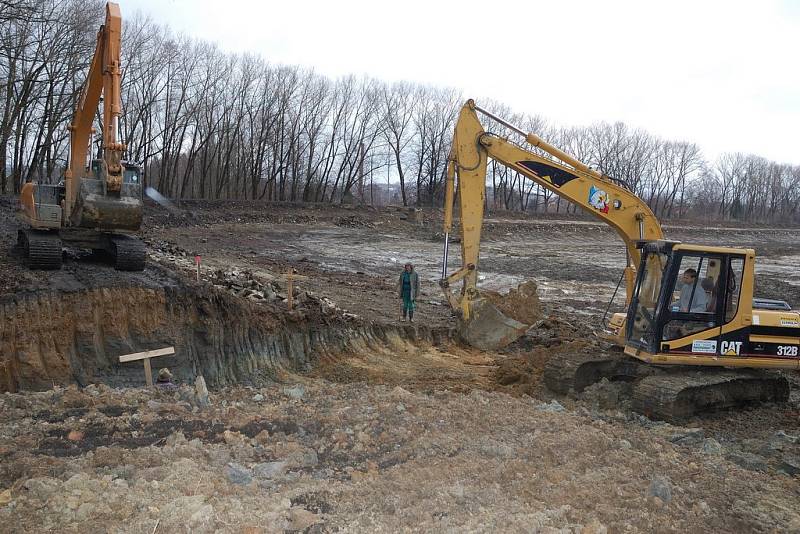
x=362, y=458
x=521, y=373
x=521, y=304
x=352, y=221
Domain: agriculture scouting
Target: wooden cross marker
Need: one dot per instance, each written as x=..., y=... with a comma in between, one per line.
x=290, y=278
x=145, y=357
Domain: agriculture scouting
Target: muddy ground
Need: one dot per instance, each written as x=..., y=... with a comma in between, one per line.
x=355, y=422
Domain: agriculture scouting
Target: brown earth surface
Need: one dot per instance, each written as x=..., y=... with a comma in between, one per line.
x=377, y=425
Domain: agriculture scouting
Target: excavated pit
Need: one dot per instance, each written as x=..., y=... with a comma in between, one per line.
x=59, y=338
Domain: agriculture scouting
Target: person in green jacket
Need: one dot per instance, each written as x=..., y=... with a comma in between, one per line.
x=408, y=288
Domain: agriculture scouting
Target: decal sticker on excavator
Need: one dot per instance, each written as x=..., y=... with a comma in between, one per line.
x=704, y=346
x=554, y=175
x=730, y=348
x=598, y=199
x=791, y=323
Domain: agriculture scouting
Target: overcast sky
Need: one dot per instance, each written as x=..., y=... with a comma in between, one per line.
x=723, y=74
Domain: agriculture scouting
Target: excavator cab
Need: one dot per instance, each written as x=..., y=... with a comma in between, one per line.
x=694, y=305
x=683, y=294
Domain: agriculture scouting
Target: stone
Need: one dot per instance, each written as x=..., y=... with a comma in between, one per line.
x=85, y=512
x=688, y=436
x=202, y=520
x=780, y=441
x=780, y=435
x=269, y=469
x=595, y=527
x=552, y=407
x=790, y=465
x=237, y=474
x=258, y=397
x=309, y=458
x=456, y=490
x=711, y=446
x=295, y=392
x=701, y=508
x=41, y=487
x=201, y=392
x=235, y=438
x=605, y=394
x=660, y=487
x=400, y=392
x=747, y=460
x=187, y=514
x=625, y=444
x=301, y=519
x=175, y=438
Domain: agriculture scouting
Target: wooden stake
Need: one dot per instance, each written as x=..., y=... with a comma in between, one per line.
x=290, y=288
x=146, y=354
x=148, y=373
x=145, y=357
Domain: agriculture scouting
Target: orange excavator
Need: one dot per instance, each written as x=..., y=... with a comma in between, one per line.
x=98, y=205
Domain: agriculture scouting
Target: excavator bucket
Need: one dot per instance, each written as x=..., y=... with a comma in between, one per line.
x=488, y=328
x=96, y=208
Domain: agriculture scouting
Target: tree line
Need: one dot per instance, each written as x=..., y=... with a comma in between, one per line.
x=208, y=124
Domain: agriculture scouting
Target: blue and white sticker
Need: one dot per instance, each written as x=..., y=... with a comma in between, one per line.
x=704, y=346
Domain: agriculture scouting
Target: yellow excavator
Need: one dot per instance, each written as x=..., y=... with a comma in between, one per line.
x=99, y=203
x=691, y=316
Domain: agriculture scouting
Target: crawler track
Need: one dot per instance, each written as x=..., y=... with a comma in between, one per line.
x=42, y=249
x=668, y=393
x=128, y=253
x=678, y=396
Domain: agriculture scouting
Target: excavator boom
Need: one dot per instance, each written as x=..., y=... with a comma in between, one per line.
x=595, y=193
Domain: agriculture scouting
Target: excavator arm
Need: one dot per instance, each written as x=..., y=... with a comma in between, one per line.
x=595, y=193
x=104, y=77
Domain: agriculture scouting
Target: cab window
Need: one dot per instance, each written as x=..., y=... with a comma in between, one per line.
x=735, y=272
x=693, y=305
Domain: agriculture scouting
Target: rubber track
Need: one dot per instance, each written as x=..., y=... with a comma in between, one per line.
x=129, y=253
x=676, y=397
x=43, y=249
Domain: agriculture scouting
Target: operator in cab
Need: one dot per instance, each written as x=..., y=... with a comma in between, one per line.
x=692, y=294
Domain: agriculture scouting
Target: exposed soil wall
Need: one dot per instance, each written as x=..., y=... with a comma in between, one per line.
x=60, y=338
